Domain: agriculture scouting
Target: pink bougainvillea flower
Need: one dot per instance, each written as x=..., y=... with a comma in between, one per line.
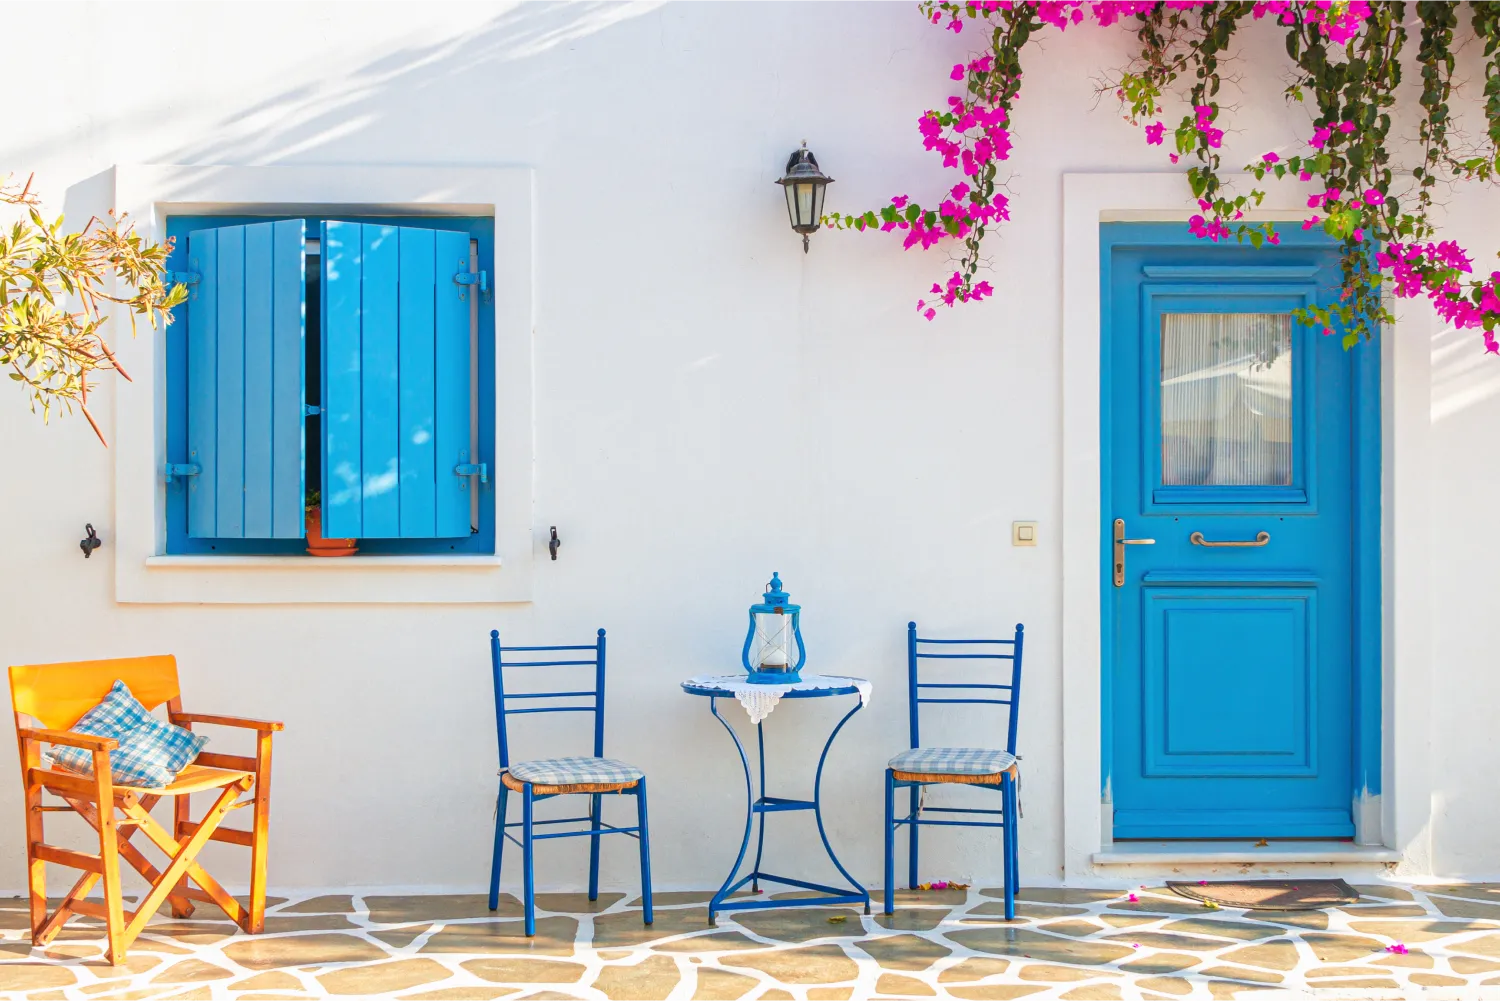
x=900, y=201
x=1274, y=239
x=1271, y=157
x=1304, y=175
x=1373, y=197
x=1134, y=899
x=1346, y=127
x=1172, y=157
x=1359, y=234
x=1310, y=223
x=930, y=313
x=1397, y=948
x=1320, y=137
x=1154, y=133
x=958, y=72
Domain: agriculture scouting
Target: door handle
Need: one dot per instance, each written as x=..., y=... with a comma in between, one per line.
x=1120, y=543
x=1260, y=539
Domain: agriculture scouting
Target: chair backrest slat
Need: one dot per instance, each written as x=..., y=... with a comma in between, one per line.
x=58, y=694
x=917, y=650
x=503, y=658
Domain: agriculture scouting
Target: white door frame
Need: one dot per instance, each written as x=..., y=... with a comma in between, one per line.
x=1399, y=817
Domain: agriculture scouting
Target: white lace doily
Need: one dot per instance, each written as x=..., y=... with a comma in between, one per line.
x=759, y=700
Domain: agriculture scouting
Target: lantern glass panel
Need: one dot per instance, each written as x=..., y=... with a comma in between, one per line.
x=806, y=197
x=773, y=640
x=791, y=203
x=819, y=190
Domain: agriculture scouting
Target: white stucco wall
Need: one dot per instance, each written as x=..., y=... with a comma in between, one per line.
x=709, y=405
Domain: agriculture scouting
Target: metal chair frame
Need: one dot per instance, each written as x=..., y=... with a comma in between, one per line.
x=558, y=657
x=1008, y=695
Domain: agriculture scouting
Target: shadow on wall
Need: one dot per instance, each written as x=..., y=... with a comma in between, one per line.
x=1463, y=375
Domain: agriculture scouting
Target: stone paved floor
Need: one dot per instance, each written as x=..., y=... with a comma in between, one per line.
x=1069, y=944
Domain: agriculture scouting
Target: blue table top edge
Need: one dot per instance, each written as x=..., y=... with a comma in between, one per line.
x=806, y=693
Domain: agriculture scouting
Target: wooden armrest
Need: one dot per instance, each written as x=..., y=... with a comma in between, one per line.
x=264, y=726
x=86, y=741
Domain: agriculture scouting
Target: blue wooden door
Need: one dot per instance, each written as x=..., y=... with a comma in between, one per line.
x=1227, y=428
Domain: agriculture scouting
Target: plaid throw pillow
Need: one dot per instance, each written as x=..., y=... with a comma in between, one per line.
x=151, y=752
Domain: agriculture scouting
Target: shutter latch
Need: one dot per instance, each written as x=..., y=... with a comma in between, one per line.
x=311, y=410
x=481, y=278
x=181, y=469
x=181, y=278
x=478, y=469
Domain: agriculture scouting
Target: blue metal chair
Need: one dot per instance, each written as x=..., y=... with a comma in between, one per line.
x=985, y=768
x=540, y=780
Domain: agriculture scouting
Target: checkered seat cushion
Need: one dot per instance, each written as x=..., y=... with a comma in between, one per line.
x=576, y=771
x=150, y=752
x=953, y=761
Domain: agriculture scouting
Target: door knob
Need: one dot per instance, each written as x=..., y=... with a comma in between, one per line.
x=1120, y=543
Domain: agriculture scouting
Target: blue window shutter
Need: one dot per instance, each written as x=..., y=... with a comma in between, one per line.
x=245, y=381
x=396, y=392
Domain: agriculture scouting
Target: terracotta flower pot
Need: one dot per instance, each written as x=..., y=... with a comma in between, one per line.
x=319, y=546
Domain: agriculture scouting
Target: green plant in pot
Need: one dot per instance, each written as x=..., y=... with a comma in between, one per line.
x=316, y=544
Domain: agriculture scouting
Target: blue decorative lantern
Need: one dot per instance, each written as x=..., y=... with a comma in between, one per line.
x=775, y=626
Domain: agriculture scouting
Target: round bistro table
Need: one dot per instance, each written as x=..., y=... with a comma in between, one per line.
x=758, y=702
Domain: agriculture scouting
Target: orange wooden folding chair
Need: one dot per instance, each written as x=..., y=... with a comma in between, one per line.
x=56, y=696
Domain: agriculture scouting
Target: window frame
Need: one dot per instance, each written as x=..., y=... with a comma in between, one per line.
x=481, y=232
x=144, y=571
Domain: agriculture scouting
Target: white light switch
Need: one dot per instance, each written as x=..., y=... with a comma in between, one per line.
x=1023, y=533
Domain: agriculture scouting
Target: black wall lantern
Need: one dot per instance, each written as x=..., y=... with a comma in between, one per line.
x=804, y=184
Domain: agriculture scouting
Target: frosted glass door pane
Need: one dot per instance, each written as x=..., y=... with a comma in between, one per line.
x=1226, y=399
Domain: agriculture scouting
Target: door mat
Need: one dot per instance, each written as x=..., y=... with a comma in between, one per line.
x=1270, y=894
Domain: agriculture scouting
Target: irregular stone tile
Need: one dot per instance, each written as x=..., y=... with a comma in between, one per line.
x=1436, y=980
x=132, y=964
x=1330, y=948
x=1056, y=974
x=1366, y=984
x=258, y=953
x=1072, y=928
x=913, y=918
x=612, y=954
x=829, y=993
x=34, y=976
x=895, y=983
x=1382, y=890
x=400, y=938
x=1241, y=973
x=461, y=994
x=1162, y=962
x=579, y=903
x=1417, y=931
x=974, y=968
x=190, y=971
x=993, y=992
x=1167, y=985
x=1455, y=908
x=672, y=898
x=1242, y=930
x=802, y=924
x=1224, y=990
x=550, y=996
x=103, y=986
x=439, y=907
x=68, y=950
x=904, y=952
x=524, y=971
x=311, y=922
x=1314, y=920
x=1127, y=920
x=717, y=942
x=1157, y=905
x=147, y=944
x=1028, y=909
x=1058, y=894
x=937, y=898
x=1473, y=891
x=196, y=994
x=776, y=995
x=1463, y=964
x=195, y=932
x=338, y=903
x=1093, y=992
x=652, y=979
x=384, y=978
x=721, y=985
x=1165, y=940
x=15, y=949
x=1321, y=972
x=1006, y=941
x=205, y=911
x=813, y=964
x=1413, y=959
x=48, y=996
x=1386, y=911
x=554, y=937
x=1278, y=955
x=625, y=929
x=273, y=981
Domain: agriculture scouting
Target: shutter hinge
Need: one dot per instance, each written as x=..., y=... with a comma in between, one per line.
x=479, y=469
x=311, y=410
x=481, y=278
x=182, y=277
x=181, y=469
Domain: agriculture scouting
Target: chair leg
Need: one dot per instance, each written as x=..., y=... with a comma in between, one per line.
x=594, y=818
x=499, y=849
x=182, y=822
x=36, y=869
x=260, y=826
x=1008, y=841
x=109, y=857
x=911, y=870
x=890, y=842
x=529, y=887
x=640, y=806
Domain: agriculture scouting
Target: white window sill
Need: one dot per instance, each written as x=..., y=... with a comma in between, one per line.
x=356, y=562
x=1224, y=853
